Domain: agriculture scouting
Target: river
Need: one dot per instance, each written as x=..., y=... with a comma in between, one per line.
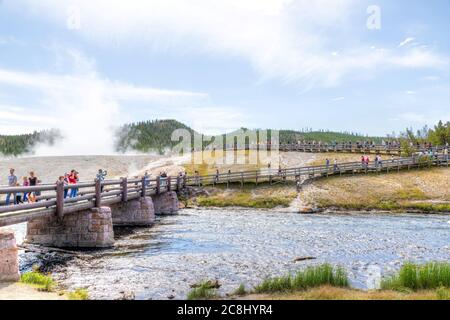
x=245, y=246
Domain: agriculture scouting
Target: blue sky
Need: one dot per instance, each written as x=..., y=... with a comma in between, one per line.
x=220, y=65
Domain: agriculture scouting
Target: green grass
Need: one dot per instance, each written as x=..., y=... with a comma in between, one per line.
x=311, y=277
x=203, y=291
x=240, y=291
x=386, y=205
x=245, y=199
x=39, y=280
x=415, y=277
x=79, y=294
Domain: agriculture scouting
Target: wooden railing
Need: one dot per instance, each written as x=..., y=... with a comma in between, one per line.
x=339, y=147
x=98, y=193
x=276, y=175
x=57, y=200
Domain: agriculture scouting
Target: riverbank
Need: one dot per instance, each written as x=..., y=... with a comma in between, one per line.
x=416, y=191
x=333, y=293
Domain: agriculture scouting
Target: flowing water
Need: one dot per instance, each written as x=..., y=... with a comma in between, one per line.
x=245, y=246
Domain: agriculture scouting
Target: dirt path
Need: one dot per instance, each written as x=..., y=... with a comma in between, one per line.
x=19, y=291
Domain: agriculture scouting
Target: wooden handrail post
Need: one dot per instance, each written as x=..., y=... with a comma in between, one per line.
x=169, y=184
x=124, y=184
x=178, y=183
x=158, y=185
x=98, y=193
x=60, y=200
x=144, y=187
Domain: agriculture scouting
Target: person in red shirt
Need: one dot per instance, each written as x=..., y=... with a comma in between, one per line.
x=73, y=179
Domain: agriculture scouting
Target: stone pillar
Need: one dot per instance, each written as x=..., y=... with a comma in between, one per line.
x=9, y=263
x=134, y=213
x=166, y=203
x=90, y=228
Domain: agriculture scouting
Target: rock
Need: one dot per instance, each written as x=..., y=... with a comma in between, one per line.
x=308, y=210
x=127, y=295
x=170, y=296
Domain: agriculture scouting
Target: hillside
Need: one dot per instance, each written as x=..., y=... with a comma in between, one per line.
x=148, y=135
x=155, y=135
x=20, y=144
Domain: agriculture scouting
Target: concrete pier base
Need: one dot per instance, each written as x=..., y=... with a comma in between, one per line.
x=134, y=213
x=166, y=203
x=85, y=229
x=9, y=263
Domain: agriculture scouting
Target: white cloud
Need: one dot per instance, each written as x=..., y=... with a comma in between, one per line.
x=282, y=39
x=83, y=105
x=406, y=41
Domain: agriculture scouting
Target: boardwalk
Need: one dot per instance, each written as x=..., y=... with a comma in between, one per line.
x=52, y=202
x=295, y=174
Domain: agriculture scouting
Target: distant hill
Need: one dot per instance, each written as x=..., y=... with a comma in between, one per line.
x=155, y=135
x=24, y=143
x=148, y=136
x=289, y=136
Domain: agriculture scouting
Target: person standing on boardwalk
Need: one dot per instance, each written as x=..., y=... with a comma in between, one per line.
x=73, y=178
x=147, y=178
x=12, y=181
x=101, y=175
x=33, y=181
x=335, y=166
x=66, y=182
x=25, y=183
x=216, y=177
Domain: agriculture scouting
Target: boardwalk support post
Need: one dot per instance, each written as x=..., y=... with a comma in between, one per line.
x=124, y=189
x=98, y=193
x=158, y=185
x=178, y=183
x=169, y=184
x=144, y=187
x=60, y=200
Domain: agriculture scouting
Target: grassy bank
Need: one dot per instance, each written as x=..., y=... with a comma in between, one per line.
x=44, y=283
x=417, y=190
x=419, y=277
x=333, y=293
x=260, y=198
x=429, y=281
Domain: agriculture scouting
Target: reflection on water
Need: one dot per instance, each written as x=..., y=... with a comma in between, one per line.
x=245, y=246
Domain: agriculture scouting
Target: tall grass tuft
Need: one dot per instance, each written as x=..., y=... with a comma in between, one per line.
x=202, y=292
x=240, y=291
x=415, y=277
x=79, y=294
x=41, y=281
x=309, y=278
